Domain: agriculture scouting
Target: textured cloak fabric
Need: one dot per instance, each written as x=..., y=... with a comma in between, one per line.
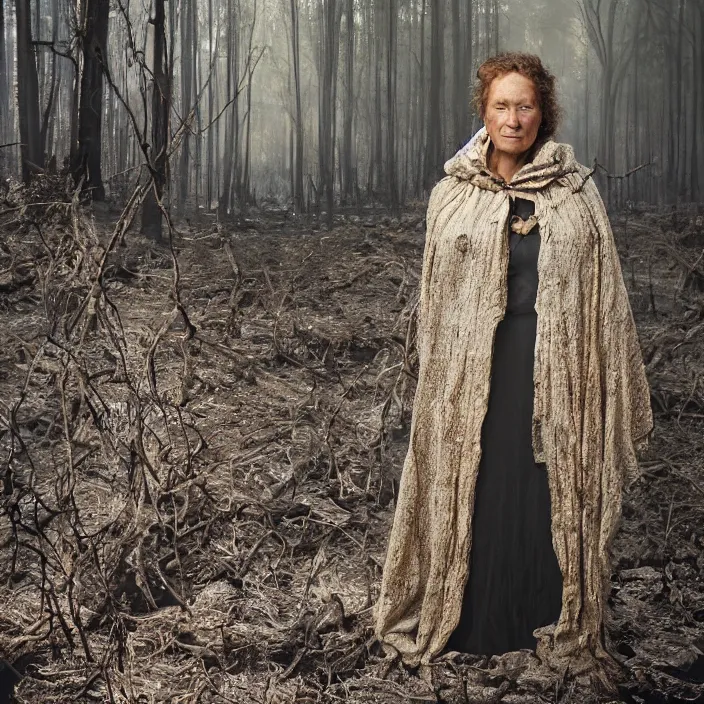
x=591, y=414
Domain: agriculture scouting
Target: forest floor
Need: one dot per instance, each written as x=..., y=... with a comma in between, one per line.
x=199, y=461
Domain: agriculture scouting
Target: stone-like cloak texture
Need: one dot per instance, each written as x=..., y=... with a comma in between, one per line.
x=592, y=408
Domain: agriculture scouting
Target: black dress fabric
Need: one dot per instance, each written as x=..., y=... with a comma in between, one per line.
x=514, y=583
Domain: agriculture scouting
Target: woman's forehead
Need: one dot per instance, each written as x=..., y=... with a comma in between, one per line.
x=512, y=87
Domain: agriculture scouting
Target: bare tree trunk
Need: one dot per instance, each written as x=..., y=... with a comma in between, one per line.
x=409, y=126
x=161, y=97
x=487, y=27
x=188, y=22
x=27, y=94
x=434, y=153
x=230, y=125
x=47, y=123
x=87, y=161
x=669, y=133
x=495, y=14
x=422, y=137
x=198, y=81
x=330, y=16
x=636, y=142
x=459, y=94
x=249, y=195
x=468, y=71
x=209, y=166
x=247, y=192
x=298, y=199
x=377, y=136
x=346, y=164
x=4, y=83
x=697, y=78
x=391, y=108
x=679, y=162
x=215, y=127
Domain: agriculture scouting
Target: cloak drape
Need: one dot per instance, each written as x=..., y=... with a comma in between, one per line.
x=591, y=401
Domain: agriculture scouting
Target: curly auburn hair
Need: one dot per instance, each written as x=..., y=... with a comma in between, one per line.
x=530, y=66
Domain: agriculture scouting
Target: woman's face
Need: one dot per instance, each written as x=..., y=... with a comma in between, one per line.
x=512, y=115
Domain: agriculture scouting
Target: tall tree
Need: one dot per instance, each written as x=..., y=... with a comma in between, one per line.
x=434, y=142
x=459, y=63
x=232, y=123
x=330, y=15
x=161, y=99
x=87, y=162
x=4, y=83
x=391, y=53
x=296, y=54
x=188, y=29
x=697, y=94
x=346, y=158
x=47, y=124
x=27, y=94
x=209, y=148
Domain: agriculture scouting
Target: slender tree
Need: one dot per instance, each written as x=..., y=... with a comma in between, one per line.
x=188, y=28
x=346, y=158
x=4, y=83
x=27, y=94
x=87, y=161
x=391, y=61
x=161, y=98
x=330, y=14
x=434, y=153
x=232, y=126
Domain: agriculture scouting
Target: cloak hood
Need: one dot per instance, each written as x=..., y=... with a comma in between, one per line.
x=591, y=413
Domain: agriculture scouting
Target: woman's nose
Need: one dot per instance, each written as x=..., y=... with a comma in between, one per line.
x=513, y=118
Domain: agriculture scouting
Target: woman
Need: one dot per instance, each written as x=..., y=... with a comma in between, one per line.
x=530, y=405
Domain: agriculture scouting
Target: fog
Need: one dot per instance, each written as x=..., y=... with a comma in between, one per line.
x=313, y=103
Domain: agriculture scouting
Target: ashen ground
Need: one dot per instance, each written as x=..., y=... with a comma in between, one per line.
x=299, y=382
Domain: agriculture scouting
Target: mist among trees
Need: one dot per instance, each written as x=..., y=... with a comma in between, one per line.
x=217, y=105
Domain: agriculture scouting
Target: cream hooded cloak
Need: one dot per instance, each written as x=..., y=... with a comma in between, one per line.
x=591, y=401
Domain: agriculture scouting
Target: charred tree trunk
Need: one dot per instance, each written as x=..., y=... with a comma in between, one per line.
x=377, y=135
x=209, y=165
x=47, y=123
x=679, y=107
x=87, y=163
x=434, y=142
x=422, y=136
x=231, y=94
x=330, y=16
x=188, y=21
x=151, y=212
x=27, y=94
x=697, y=78
x=4, y=83
x=459, y=94
x=391, y=108
x=298, y=198
x=346, y=161
x=247, y=193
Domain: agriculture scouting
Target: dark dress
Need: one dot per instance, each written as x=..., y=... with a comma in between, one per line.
x=514, y=583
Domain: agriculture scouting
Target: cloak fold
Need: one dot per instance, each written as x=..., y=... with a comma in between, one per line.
x=591, y=402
